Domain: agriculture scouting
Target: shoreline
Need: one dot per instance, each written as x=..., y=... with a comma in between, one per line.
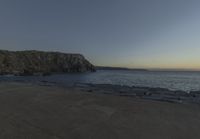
x=149, y=93
x=157, y=94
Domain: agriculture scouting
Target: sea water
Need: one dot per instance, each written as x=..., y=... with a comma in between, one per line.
x=179, y=80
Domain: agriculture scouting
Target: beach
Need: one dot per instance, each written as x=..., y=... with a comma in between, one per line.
x=32, y=111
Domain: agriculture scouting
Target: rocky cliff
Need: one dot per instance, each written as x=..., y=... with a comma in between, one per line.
x=36, y=62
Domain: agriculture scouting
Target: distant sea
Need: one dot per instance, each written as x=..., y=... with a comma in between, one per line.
x=173, y=80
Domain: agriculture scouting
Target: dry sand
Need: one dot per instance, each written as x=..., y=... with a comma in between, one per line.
x=42, y=112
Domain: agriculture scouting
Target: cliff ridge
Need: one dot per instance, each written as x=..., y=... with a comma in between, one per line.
x=33, y=62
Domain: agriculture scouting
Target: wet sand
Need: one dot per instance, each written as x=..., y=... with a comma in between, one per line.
x=49, y=112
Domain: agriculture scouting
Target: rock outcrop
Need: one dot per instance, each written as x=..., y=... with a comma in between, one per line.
x=158, y=94
x=38, y=62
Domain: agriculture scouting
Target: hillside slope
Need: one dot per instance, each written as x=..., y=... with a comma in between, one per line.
x=31, y=62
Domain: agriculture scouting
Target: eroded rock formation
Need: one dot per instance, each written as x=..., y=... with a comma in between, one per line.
x=35, y=62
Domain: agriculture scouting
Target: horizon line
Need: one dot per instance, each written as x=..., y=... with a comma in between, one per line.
x=152, y=69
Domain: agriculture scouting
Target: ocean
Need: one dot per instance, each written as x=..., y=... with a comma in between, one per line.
x=179, y=80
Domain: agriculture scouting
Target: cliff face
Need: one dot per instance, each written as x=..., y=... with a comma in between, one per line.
x=31, y=62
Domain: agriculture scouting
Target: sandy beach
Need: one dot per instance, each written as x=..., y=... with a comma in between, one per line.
x=48, y=112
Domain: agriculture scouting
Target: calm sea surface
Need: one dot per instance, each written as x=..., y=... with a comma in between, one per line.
x=186, y=81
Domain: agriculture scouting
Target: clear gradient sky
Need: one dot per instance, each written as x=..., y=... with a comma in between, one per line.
x=128, y=33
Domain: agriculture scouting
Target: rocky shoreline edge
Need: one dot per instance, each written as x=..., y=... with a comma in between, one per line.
x=157, y=94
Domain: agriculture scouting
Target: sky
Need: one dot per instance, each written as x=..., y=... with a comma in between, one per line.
x=125, y=33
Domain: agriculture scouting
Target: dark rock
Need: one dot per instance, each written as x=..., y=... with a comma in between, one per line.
x=181, y=93
x=90, y=90
x=158, y=89
x=30, y=62
x=46, y=74
x=195, y=93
